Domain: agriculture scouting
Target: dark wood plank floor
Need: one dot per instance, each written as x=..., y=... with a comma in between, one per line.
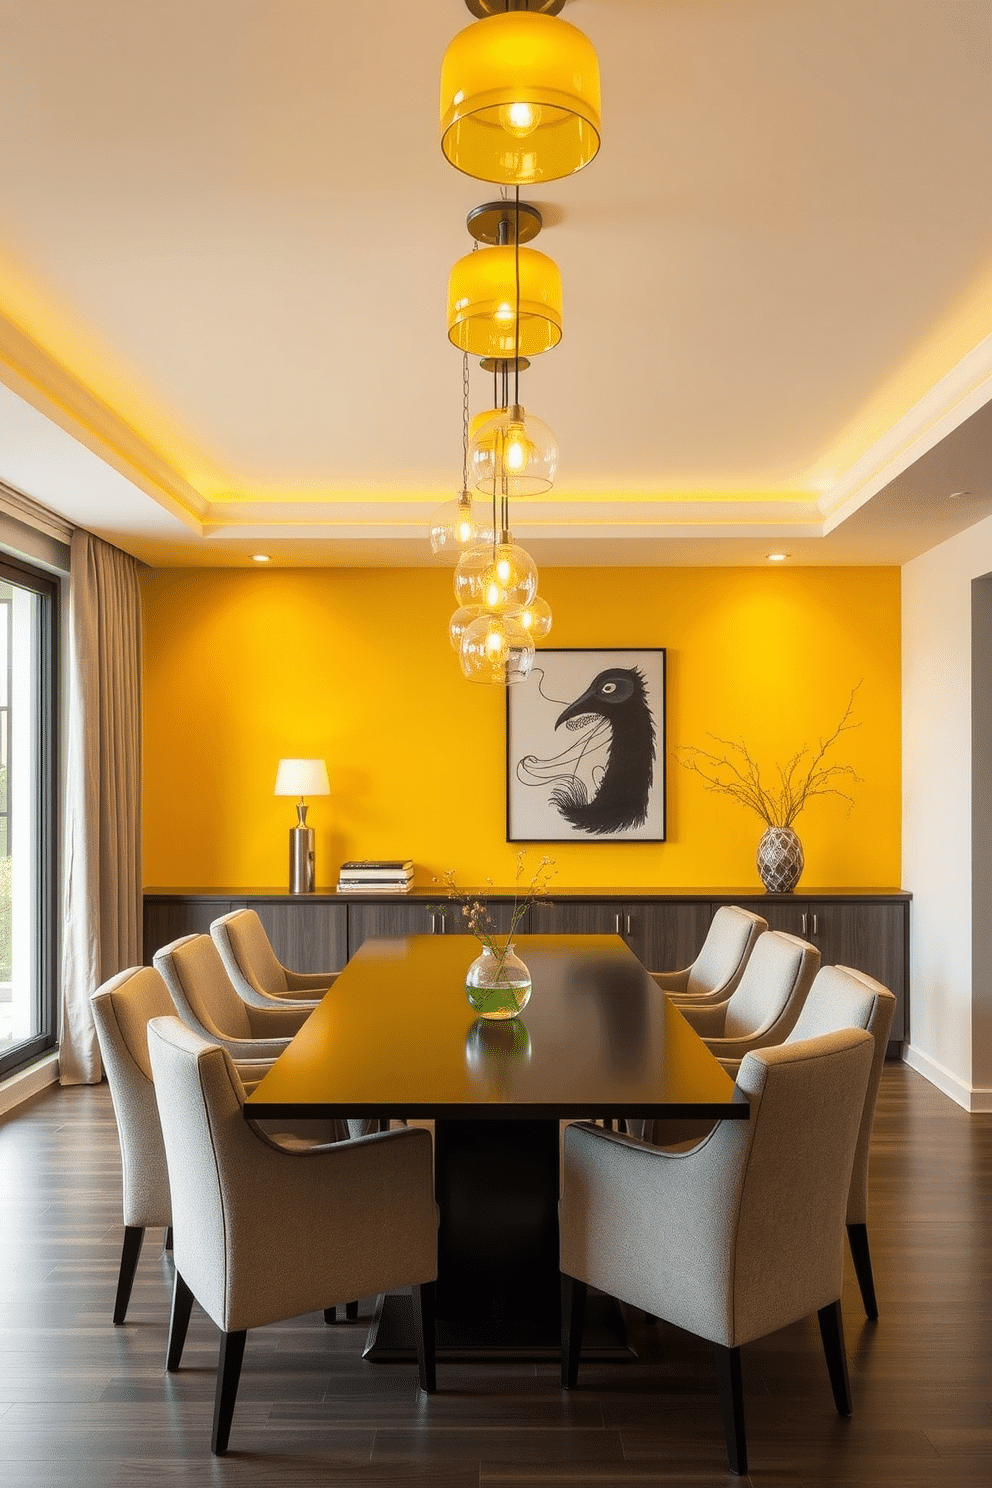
x=87, y=1405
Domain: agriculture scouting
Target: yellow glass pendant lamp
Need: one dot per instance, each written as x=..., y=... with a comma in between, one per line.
x=520, y=99
x=482, y=300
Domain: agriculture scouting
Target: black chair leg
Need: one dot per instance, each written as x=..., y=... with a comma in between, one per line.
x=168, y=1238
x=133, y=1236
x=573, y=1313
x=731, y=1390
x=232, y=1351
x=832, y=1333
x=350, y=1312
x=182, y=1306
x=424, y=1297
x=857, y=1238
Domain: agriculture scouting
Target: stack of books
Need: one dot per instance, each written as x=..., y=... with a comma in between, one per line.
x=376, y=876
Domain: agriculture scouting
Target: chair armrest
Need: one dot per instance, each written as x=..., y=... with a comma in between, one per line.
x=734, y=1049
x=709, y=1022
x=732, y=1066
x=306, y=981
x=345, y=1221
x=276, y=1022
x=672, y=981
x=251, y=1072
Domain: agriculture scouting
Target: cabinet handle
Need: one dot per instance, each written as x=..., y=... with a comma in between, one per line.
x=619, y=925
x=816, y=925
x=629, y=925
x=805, y=921
x=434, y=929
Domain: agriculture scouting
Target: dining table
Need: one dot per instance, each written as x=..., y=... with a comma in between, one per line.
x=394, y=1037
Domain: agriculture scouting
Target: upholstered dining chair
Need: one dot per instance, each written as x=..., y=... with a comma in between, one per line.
x=255, y=972
x=122, y=1008
x=262, y=1234
x=737, y=1238
x=841, y=997
x=720, y=964
x=206, y=1001
x=761, y=1011
x=767, y=1001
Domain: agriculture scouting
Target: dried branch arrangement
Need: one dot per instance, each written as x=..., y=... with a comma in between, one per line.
x=805, y=775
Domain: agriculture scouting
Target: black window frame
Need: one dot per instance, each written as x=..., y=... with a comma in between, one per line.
x=42, y=583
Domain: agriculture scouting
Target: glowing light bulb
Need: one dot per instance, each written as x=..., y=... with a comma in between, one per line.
x=495, y=642
x=493, y=596
x=503, y=569
x=536, y=618
x=504, y=314
x=519, y=119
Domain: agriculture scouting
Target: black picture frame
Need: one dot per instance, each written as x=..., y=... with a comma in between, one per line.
x=609, y=783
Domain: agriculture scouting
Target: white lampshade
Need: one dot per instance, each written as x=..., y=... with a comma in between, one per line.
x=302, y=777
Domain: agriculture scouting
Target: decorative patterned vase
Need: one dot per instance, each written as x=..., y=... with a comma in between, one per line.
x=780, y=860
x=498, y=984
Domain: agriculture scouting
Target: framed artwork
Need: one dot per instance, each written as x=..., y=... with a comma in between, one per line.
x=585, y=748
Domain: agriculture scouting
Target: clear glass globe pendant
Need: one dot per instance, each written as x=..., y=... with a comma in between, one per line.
x=500, y=577
x=458, y=525
x=496, y=650
x=512, y=453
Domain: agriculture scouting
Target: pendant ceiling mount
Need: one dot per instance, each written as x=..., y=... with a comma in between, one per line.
x=483, y=8
x=496, y=222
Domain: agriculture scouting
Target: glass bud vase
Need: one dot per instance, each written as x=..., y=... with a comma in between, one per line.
x=498, y=984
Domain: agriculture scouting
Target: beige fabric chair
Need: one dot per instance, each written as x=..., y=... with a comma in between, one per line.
x=255, y=972
x=844, y=998
x=262, y=1234
x=122, y=1008
x=738, y=1237
x=718, y=968
x=206, y=1001
x=761, y=1011
x=767, y=1001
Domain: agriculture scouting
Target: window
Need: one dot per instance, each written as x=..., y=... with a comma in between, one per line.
x=28, y=812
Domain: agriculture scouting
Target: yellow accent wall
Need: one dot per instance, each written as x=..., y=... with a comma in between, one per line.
x=354, y=666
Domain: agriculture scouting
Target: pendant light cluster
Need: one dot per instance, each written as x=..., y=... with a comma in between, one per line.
x=520, y=105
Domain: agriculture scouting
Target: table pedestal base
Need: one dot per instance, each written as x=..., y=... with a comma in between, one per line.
x=498, y=1283
x=390, y=1339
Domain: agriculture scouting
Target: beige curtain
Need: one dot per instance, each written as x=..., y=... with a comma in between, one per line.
x=102, y=924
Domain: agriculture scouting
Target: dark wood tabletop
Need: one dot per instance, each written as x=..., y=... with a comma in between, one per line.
x=395, y=1036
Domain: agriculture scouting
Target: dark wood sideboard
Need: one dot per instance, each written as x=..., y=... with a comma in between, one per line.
x=864, y=928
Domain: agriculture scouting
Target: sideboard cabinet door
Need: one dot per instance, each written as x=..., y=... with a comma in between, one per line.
x=166, y=920
x=576, y=917
x=868, y=935
x=308, y=936
x=666, y=937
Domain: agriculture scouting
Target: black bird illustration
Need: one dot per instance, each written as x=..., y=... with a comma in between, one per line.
x=617, y=697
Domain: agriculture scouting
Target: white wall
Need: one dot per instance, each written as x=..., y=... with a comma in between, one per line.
x=937, y=809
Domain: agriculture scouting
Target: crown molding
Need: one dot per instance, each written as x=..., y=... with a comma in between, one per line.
x=958, y=395
x=30, y=372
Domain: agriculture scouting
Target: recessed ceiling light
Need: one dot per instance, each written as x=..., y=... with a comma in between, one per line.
x=777, y=557
x=260, y=558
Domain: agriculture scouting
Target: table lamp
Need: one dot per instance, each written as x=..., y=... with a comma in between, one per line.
x=301, y=777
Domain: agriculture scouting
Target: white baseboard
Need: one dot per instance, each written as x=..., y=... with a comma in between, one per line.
x=974, y=1101
x=24, y=1083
